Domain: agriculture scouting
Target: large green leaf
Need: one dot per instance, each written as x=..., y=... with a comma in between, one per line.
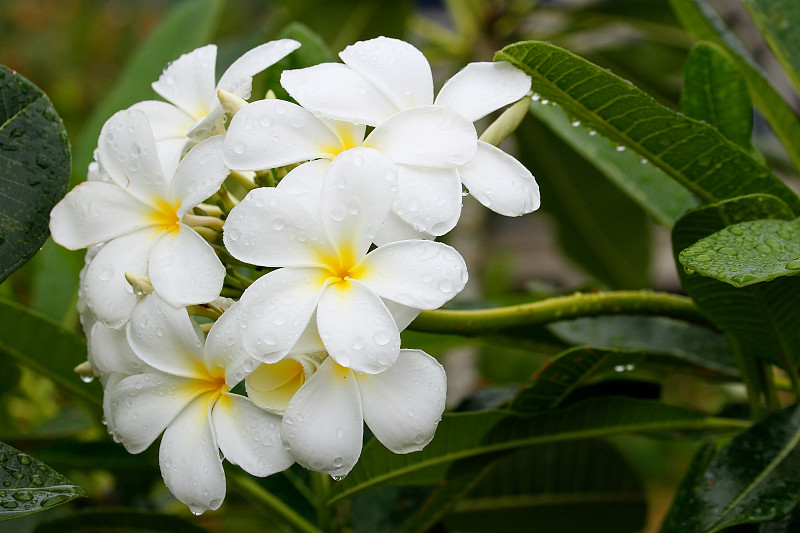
x=696, y=344
x=460, y=436
x=118, y=521
x=46, y=347
x=704, y=23
x=593, y=217
x=552, y=383
x=778, y=21
x=752, y=479
x=188, y=25
x=748, y=252
x=34, y=168
x=762, y=318
x=715, y=92
x=662, y=198
x=571, y=486
x=693, y=153
x=30, y=486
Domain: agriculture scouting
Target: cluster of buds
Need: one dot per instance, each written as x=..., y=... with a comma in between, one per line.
x=333, y=204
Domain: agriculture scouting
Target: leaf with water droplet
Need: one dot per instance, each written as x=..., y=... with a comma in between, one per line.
x=34, y=169
x=30, y=485
x=749, y=252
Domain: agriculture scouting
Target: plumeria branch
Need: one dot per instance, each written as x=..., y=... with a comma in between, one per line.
x=578, y=305
x=261, y=498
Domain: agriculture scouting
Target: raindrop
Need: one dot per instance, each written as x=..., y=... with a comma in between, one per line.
x=338, y=462
x=337, y=478
x=793, y=265
x=576, y=123
x=620, y=148
x=239, y=149
x=87, y=379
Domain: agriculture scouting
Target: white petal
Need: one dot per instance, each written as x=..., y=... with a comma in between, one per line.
x=403, y=315
x=166, y=120
x=210, y=125
x=500, y=182
x=188, y=82
x=309, y=341
x=109, y=351
x=480, y=88
x=248, y=436
x=127, y=152
x=166, y=339
x=395, y=228
x=336, y=91
x=110, y=382
x=395, y=67
x=184, y=269
x=225, y=351
x=108, y=293
x=270, y=227
x=421, y=274
x=239, y=76
x=272, y=386
x=189, y=458
x=426, y=136
x=403, y=405
x=274, y=133
x=95, y=212
x=199, y=174
x=323, y=425
x=275, y=310
x=141, y=406
x=358, y=189
x=304, y=183
x=170, y=152
x=428, y=199
x=356, y=328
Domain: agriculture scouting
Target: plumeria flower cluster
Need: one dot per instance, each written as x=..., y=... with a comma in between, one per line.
x=181, y=211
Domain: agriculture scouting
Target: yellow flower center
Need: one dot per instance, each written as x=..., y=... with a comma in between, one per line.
x=164, y=215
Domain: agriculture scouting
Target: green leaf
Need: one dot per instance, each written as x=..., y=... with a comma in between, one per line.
x=762, y=318
x=715, y=92
x=696, y=344
x=188, y=25
x=30, y=486
x=46, y=347
x=460, y=436
x=693, y=153
x=778, y=21
x=752, y=479
x=118, y=521
x=571, y=486
x=557, y=378
x=702, y=21
x=594, y=218
x=34, y=168
x=747, y=253
x=661, y=197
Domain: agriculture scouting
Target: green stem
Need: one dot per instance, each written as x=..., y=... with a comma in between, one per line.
x=261, y=498
x=770, y=389
x=750, y=376
x=578, y=305
x=321, y=484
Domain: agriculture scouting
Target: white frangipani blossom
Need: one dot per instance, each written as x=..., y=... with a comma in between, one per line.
x=183, y=394
x=382, y=76
x=326, y=267
x=427, y=143
x=323, y=423
x=138, y=216
x=194, y=112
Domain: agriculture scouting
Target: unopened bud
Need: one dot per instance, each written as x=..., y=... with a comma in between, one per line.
x=230, y=102
x=140, y=283
x=270, y=95
x=84, y=370
x=499, y=130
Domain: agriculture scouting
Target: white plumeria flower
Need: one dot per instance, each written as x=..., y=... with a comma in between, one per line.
x=326, y=266
x=323, y=423
x=427, y=143
x=138, y=217
x=184, y=396
x=382, y=76
x=194, y=112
